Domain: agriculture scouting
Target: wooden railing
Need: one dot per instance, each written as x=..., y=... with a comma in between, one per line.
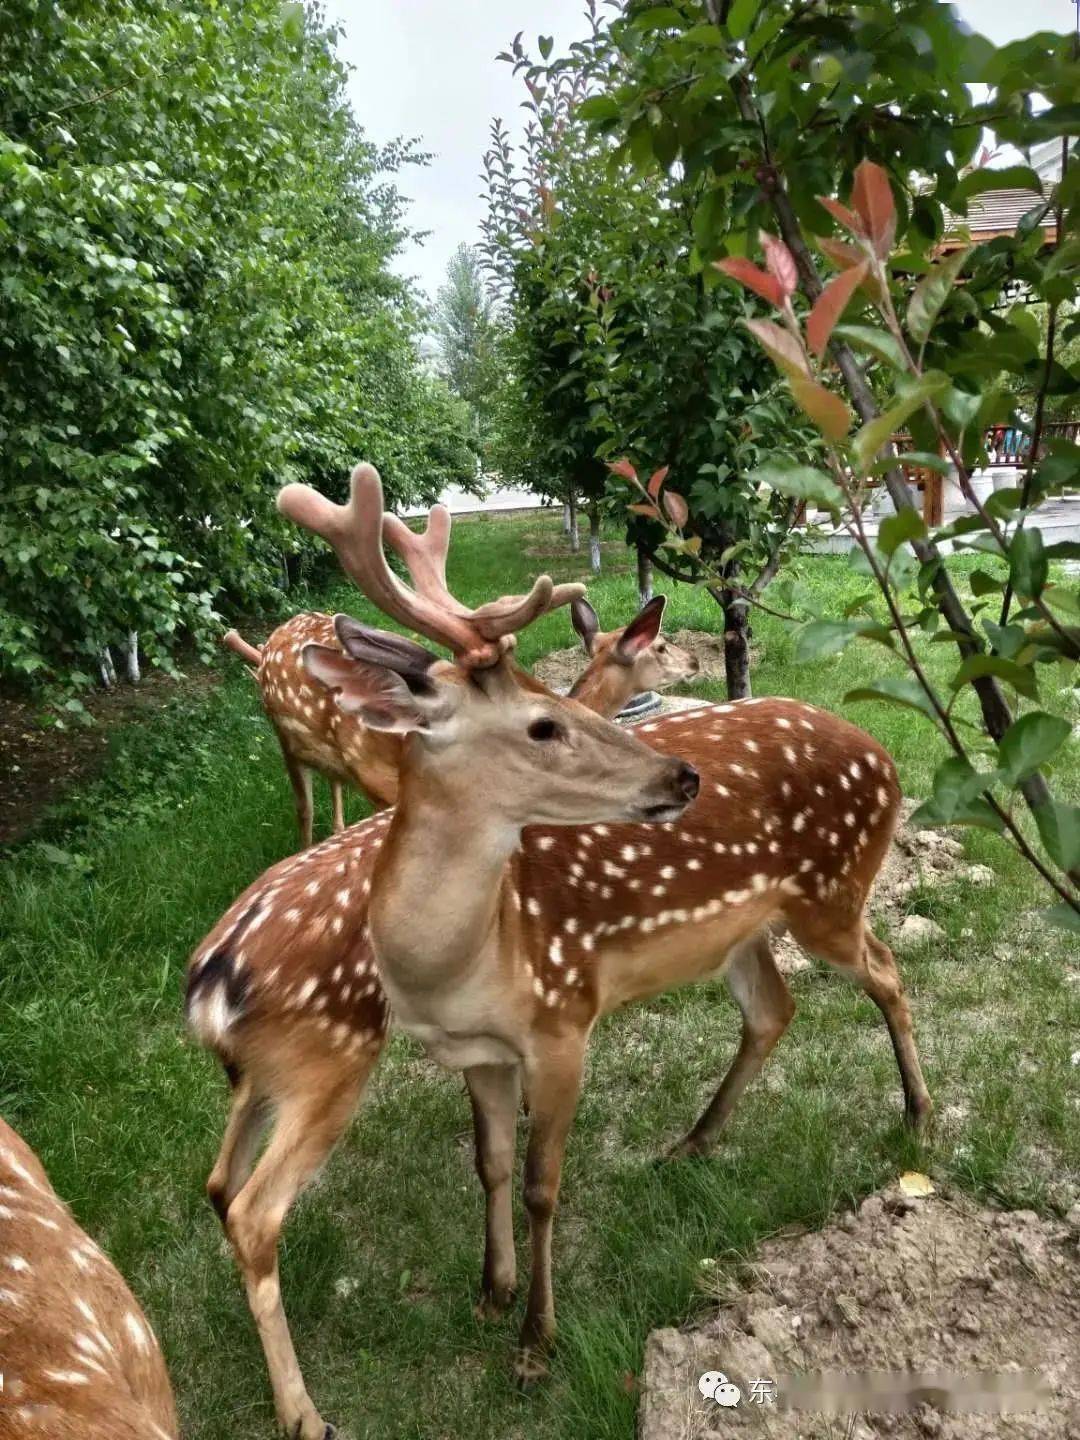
x=1008, y=445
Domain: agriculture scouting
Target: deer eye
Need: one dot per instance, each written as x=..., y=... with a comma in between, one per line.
x=544, y=729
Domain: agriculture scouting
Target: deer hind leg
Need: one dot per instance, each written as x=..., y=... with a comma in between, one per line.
x=300, y=780
x=495, y=1094
x=553, y=1084
x=310, y=1120
x=336, y=801
x=857, y=953
x=239, y=1145
x=762, y=995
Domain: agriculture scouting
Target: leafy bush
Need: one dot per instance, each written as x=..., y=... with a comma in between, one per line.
x=195, y=307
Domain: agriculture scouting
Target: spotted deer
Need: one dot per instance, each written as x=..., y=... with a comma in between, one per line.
x=316, y=736
x=544, y=920
x=79, y=1360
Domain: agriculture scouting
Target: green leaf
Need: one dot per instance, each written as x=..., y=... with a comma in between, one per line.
x=957, y=797
x=1028, y=565
x=1031, y=742
x=932, y=291
x=872, y=341
x=825, y=637
x=1020, y=677
x=802, y=481
x=895, y=690
x=984, y=584
x=741, y=17
x=878, y=432
x=906, y=524
x=911, y=460
x=1059, y=829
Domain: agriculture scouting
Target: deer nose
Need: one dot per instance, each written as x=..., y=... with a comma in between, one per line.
x=688, y=781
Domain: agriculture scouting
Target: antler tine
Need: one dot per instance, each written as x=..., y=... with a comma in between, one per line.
x=425, y=555
x=355, y=533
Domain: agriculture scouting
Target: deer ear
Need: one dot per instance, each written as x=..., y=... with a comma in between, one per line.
x=642, y=630
x=380, y=647
x=380, y=697
x=586, y=622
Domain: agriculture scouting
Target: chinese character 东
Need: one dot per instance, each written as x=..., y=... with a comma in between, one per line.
x=762, y=1392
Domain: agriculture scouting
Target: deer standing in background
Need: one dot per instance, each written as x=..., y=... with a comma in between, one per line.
x=315, y=735
x=78, y=1358
x=505, y=923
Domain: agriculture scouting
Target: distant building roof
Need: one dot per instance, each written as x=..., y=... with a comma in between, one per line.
x=995, y=212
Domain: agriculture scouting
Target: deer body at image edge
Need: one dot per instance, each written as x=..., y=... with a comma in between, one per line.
x=78, y=1359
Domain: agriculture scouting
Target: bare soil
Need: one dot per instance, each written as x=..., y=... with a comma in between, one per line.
x=949, y=1294
x=38, y=761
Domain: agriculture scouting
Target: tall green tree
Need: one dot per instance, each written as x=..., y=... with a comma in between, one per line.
x=625, y=346
x=467, y=335
x=195, y=306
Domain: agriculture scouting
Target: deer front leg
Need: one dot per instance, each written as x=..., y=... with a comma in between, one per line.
x=338, y=805
x=495, y=1092
x=552, y=1087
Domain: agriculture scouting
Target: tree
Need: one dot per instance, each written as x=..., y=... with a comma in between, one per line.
x=195, y=306
x=780, y=110
x=468, y=336
x=623, y=345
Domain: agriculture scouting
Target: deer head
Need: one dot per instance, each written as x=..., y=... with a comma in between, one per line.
x=637, y=656
x=480, y=719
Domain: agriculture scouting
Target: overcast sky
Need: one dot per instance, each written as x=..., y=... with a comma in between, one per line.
x=427, y=68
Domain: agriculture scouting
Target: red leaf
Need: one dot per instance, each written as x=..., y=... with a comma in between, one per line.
x=828, y=412
x=656, y=479
x=649, y=510
x=676, y=507
x=843, y=254
x=780, y=262
x=840, y=252
x=623, y=468
x=830, y=305
x=781, y=347
x=748, y=274
x=847, y=218
x=872, y=198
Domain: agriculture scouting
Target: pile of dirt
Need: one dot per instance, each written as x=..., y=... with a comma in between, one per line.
x=561, y=668
x=978, y=1309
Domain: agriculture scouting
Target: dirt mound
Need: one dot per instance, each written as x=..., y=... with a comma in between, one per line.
x=982, y=1305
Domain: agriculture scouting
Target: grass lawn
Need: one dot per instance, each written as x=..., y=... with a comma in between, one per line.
x=382, y=1257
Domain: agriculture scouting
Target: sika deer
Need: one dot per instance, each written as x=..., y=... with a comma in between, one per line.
x=77, y=1358
x=315, y=735
x=578, y=921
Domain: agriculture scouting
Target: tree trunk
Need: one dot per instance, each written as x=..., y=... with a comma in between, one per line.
x=736, y=645
x=131, y=657
x=644, y=576
x=108, y=669
x=566, y=518
x=571, y=505
x=594, y=537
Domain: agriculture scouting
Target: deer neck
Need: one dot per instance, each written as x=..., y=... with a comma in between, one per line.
x=437, y=887
x=606, y=691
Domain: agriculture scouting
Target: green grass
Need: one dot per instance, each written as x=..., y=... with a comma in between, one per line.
x=381, y=1258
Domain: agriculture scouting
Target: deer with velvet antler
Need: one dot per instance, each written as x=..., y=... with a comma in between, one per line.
x=316, y=736
x=537, y=873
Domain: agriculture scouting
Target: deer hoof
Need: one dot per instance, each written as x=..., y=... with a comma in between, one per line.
x=530, y=1367
x=494, y=1304
x=685, y=1149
